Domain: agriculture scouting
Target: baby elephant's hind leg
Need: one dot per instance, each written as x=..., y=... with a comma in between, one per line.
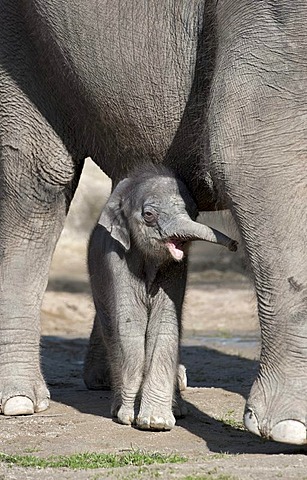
x=179, y=406
x=96, y=373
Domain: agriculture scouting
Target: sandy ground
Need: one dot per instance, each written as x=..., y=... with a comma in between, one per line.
x=220, y=349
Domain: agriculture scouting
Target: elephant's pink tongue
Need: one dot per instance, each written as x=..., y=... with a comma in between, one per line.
x=175, y=248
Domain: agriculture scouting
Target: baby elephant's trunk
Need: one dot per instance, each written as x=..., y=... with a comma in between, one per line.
x=184, y=228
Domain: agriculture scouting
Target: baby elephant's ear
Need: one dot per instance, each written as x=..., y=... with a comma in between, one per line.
x=113, y=218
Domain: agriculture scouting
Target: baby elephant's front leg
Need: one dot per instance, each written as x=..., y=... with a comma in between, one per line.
x=161, y=365
x=127, y=354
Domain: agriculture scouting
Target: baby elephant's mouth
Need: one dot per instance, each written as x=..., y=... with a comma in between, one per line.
x=176, y=248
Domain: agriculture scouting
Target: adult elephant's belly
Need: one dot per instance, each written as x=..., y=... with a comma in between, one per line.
x=133, y=65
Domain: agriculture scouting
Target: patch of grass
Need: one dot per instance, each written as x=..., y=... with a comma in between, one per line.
x=219, y=456
x=84, y=461
x=32, y=450
x=228, y=419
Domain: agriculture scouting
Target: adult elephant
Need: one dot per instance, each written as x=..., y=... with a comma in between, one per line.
x=216, y=90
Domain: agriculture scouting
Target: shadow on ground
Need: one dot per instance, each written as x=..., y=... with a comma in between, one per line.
x=208, y=369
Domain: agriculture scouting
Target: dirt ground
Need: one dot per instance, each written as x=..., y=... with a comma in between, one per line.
x=220, y=349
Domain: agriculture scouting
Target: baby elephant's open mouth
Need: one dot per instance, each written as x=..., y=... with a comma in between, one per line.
x=176, y=248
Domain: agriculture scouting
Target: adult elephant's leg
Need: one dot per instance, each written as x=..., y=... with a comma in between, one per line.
x=34, y=197
x=275, y=238
x=258, y=131
x=37, y=178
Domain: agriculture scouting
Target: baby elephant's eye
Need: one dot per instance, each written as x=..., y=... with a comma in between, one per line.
x=149, y=217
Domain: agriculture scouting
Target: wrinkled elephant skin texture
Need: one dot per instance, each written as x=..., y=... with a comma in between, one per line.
x=217, y=91
x=138, y=268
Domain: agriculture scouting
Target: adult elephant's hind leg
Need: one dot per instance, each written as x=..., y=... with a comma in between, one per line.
x=32, y=210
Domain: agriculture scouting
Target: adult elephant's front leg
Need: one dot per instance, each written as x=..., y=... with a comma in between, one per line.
x=32, y=216
x=258, y=131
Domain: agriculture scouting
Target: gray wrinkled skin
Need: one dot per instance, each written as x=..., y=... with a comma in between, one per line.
x=217, y=91
x=138, y=269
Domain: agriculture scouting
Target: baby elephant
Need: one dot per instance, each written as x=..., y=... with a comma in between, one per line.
x=138, y=269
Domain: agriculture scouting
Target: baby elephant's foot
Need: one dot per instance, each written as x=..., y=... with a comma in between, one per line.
x=124, y=414
x=155, y=418
x=182, y=379
x=179, y=407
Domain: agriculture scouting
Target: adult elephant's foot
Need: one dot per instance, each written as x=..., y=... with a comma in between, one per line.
x=155, y=418
x=278, y=411
x=21, y=405
x=21, y=397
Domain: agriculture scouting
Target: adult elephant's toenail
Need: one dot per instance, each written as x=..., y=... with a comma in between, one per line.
x=289, y=431
x=18, y=405
x=251, y=422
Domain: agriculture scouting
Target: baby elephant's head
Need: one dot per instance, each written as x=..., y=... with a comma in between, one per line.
x=154, y=211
